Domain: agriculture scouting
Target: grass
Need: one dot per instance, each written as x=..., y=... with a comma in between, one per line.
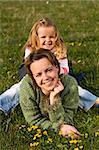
x=78, y=23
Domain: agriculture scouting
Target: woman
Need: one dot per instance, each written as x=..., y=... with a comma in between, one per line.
x=48, y=99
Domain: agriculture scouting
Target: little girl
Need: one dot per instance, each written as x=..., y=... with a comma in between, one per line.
x=44, y=34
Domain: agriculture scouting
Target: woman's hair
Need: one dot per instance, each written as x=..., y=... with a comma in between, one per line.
x=33, y=41
x=37, y=55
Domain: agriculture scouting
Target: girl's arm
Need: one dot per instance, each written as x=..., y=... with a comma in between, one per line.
x=27, y=53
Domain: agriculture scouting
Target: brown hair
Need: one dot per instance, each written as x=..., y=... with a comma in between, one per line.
x=39, y=54
x=32, y=42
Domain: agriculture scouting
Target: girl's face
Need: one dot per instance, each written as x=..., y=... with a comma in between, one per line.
x=47, y=37
x=45, y=75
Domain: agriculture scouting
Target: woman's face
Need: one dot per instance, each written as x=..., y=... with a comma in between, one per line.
x=45, y=74
x=47, y=37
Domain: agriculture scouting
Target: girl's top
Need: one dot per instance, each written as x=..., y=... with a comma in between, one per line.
x=64, y=68
x=35, y=105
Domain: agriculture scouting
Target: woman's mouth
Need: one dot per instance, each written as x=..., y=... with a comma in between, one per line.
x=48, y=82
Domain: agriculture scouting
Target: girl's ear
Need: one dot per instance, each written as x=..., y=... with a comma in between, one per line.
x=55, y=38
x=38, y=43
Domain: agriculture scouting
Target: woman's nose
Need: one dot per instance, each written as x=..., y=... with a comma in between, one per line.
x=44, y=76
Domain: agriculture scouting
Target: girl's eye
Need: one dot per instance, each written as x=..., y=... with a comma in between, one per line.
x=52, y=37
x=43, y=37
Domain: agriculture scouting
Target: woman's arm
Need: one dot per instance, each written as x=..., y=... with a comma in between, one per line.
x=70, y=98
x=30, y=107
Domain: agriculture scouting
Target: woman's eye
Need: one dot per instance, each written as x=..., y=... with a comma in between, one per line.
x=50, y=69
x=38, y=75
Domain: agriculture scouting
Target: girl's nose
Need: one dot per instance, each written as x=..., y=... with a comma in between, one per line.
x=47, y=39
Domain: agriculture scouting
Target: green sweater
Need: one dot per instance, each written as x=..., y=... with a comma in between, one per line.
x=35, y=107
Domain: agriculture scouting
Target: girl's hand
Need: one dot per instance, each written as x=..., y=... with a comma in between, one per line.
x=69, y=131
x=53, y=94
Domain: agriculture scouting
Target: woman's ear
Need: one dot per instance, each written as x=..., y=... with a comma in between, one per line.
x=57, y=69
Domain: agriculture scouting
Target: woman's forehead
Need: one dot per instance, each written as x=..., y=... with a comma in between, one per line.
x=40, y=64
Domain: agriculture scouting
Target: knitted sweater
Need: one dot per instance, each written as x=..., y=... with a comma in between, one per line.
x=36, y=109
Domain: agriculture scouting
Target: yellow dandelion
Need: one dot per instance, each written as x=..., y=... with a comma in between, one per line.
x=76, y=148
x=72, y=44
x=39, y=135
x=73, y=141
x=50, y=140
x=79, y=44
x=34, y=127
x=86, y=135
x=23, y=125
x=60, y=132
x=45, y=132
x=81, y=147
x=78, y=61
x=39, y=130
x=29, y=129
x=20, y=127
x=47, y=141
x=35, y=144
x=34, y=138
x=31, y=144
x=96, y=133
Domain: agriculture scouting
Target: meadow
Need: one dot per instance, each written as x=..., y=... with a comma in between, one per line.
x=78, y=23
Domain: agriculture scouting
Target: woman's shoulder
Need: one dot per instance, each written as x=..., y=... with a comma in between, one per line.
x=67, y=79
x=26, y=81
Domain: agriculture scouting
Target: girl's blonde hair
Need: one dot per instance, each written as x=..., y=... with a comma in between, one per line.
x=33, y=41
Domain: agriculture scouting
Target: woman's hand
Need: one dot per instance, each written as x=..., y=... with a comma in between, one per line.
x=69, y=131
x=53, y=94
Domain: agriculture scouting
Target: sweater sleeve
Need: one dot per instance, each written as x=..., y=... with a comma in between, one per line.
x=30, y=108
x=62, y=112
x=56, y=114
x=70, y=98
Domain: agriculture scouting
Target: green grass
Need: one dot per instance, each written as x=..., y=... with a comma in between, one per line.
x=78, y=23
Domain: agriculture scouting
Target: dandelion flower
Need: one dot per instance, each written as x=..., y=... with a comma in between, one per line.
x=29, y=129
x=35, y=144
x=34, y=127
x=50, y=140
x=81, y=147
x=73, y=141
x=34, y=138
x=78, y=61
x=45, y=132
x=86, y=135
x=31, y=144
x=60, y=132
x=39, y=130
x=96, y=133
x=76, y=148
